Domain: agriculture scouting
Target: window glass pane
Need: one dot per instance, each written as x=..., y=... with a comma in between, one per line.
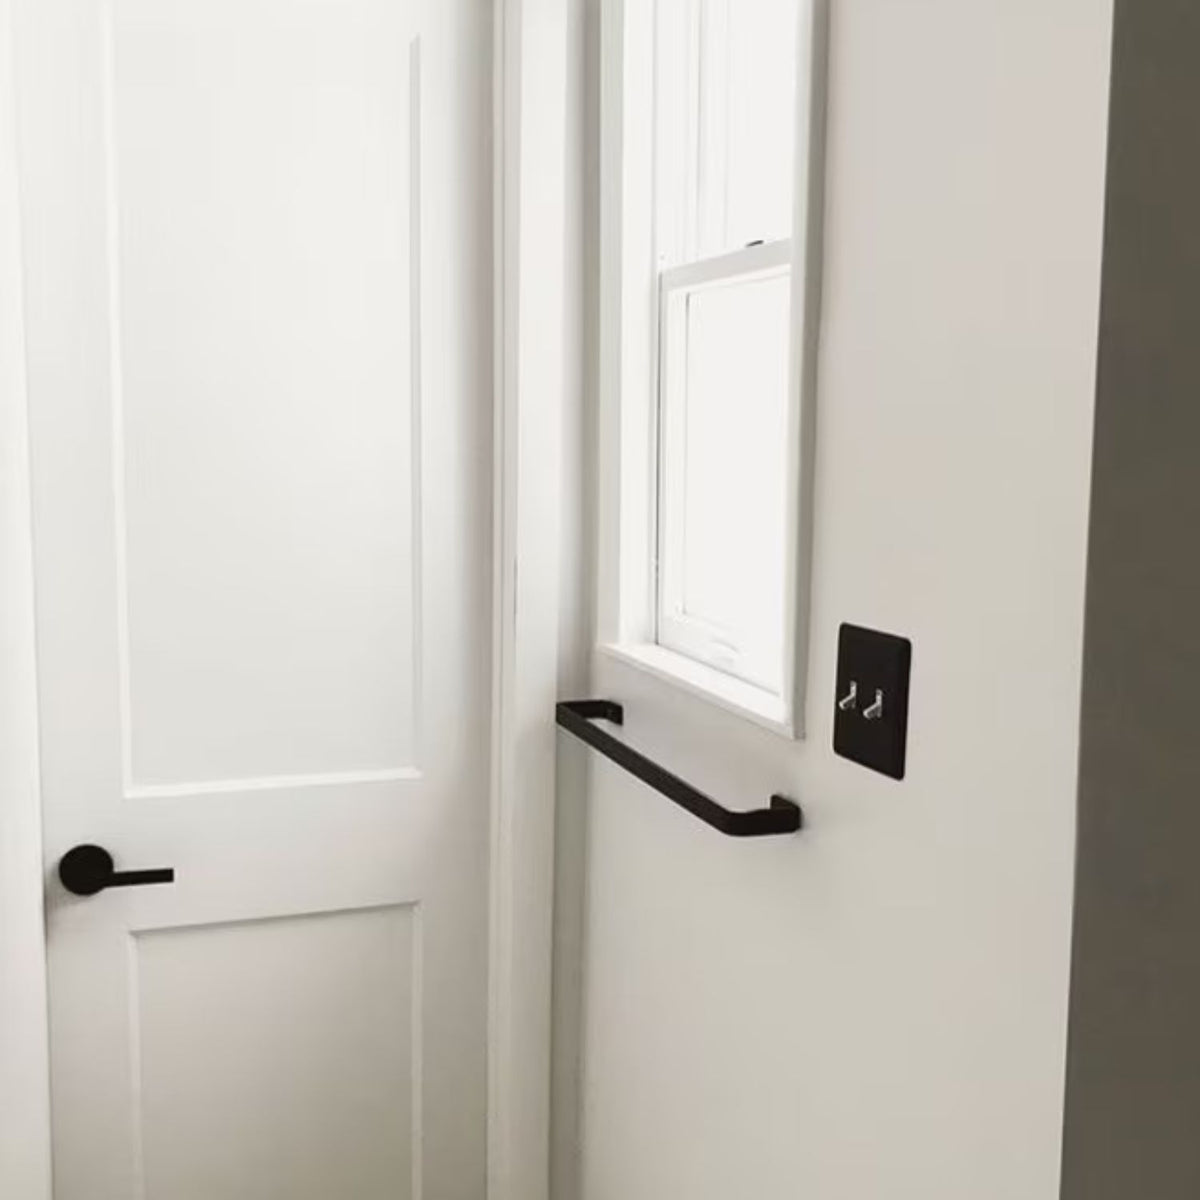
x=725, y=477
x=725, y=99
x=761, y=49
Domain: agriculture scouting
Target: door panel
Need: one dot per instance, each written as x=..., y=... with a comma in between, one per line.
x=202, y=1127
x=261, y=160
x=258, y=280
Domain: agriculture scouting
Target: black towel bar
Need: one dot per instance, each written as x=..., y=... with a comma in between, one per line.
x=576, y=716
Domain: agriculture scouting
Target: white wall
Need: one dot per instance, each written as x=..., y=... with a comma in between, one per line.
x=575, y=607
x=24, y=1127
x=877, y=1010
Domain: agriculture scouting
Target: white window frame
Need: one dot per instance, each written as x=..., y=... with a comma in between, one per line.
x=676, y=630
x=630, y=330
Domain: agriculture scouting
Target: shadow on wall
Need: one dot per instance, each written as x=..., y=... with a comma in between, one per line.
x=1133, y=1070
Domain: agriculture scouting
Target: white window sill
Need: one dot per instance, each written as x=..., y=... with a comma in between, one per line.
x=755, y=704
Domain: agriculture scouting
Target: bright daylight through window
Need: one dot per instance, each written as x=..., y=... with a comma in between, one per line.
x=725, y=97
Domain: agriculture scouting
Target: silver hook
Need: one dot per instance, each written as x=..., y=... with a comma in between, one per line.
x=850, y=700
x=875, y=711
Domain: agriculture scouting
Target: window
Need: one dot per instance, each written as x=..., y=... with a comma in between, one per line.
x=725, y=104
x=725, y=131
x=703, y=187
x=722, y=465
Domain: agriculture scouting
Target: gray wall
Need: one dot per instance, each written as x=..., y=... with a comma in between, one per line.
x=1133, y=1077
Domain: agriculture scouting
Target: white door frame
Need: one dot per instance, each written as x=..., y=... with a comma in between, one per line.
x=24, y=1062
x=530, y=54
x=531, y=163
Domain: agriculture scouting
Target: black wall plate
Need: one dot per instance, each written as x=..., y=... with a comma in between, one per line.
x=870, y=723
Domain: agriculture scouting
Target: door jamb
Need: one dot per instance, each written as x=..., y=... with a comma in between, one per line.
x=24, y=1048
x=531, y=294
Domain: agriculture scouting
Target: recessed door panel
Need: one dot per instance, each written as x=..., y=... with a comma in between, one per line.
x=280, y=1058
x=262, y=172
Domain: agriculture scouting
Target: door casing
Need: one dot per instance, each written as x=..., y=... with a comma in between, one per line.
x=24, y=1059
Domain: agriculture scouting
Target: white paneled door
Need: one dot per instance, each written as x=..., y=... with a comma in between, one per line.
x=257, y=254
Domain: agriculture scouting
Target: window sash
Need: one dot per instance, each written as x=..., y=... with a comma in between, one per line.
x=752, y=660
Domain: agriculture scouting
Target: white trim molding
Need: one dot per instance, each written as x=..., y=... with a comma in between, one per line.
x=531, y=280
x=24, y=1054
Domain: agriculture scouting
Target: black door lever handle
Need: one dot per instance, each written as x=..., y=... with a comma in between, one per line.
x=86, y=870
